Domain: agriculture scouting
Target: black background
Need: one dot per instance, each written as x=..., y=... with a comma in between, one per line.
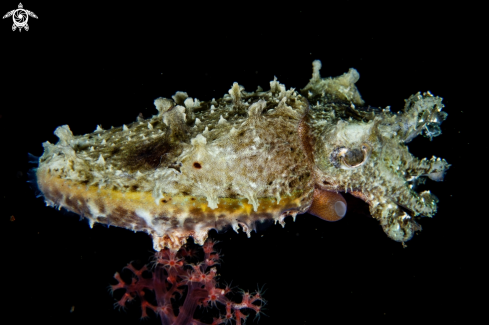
x=90, y=64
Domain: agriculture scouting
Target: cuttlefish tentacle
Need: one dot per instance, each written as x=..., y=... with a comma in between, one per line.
x=359, y=194
x=396, y=215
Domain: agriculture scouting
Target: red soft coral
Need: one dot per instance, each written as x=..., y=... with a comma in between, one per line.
x=172, y=273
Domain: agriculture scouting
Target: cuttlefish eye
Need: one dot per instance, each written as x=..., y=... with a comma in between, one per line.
x=347, y=158
x=329, y=206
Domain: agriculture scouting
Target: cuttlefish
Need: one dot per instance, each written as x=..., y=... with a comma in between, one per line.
x=246, y=158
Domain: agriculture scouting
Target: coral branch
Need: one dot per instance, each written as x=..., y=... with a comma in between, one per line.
x=180, y=287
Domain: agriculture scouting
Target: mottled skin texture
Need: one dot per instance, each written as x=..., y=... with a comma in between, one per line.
x=247, y=157
x=362, y=151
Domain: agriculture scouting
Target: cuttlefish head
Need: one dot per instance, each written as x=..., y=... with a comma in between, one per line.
x=368, y=158
x=344, y=149
x=362, y=151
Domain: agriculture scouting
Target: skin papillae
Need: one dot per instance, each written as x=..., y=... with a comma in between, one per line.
x=248, y=157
